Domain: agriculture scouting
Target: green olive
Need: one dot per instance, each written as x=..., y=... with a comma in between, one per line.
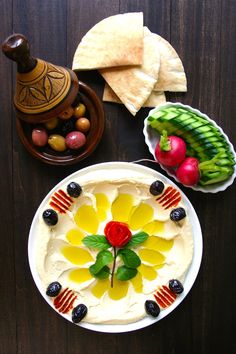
x=82, y=124
x=51, y=124
x=67, y=113
x=57, y=142
x=79, y=110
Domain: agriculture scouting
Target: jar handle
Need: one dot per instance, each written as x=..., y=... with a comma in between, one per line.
x=16, y=47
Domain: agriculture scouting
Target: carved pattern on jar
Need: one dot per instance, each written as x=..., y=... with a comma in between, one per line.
x=42, y=88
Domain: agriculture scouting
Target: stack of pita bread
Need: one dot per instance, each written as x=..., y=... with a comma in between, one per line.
x=137, y=65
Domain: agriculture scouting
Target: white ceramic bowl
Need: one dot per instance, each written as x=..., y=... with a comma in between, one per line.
x=190, y=276
x=152, y=138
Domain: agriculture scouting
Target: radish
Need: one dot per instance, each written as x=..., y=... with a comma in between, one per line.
x=170, y=150
x=188, y=172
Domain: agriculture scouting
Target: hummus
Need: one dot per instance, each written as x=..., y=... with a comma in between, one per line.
x=123, y=196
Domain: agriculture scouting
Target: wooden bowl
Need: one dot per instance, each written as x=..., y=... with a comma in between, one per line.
x=94, y=112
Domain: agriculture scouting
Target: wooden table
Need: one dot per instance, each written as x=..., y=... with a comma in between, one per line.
x=203, y=33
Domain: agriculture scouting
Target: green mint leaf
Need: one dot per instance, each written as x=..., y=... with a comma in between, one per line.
x=136, y=239
x=96, y=241
x=125, y=273
x=129, y=257
x=102, y=274
x=103, y=258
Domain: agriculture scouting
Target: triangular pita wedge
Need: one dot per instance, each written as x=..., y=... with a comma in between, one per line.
x=171, y=74
x=155, y=99
x=117, y=40
x=133, y=85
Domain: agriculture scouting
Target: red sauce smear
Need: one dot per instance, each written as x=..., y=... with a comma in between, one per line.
x=170, y=198
x=60, y=201
x=64, y=301
x=164, y=296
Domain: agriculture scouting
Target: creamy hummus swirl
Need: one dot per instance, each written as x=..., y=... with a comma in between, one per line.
x=176, y=245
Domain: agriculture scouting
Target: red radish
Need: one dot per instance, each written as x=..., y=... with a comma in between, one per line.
x=170, y=150
x=188, y=173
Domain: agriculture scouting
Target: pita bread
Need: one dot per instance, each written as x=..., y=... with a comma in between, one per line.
x=133, y=85
x=115, y=41
x=155, y=99
x=171, y=74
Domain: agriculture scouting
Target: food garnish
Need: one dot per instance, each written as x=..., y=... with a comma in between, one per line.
x=152, y=308
x=64, y=301
x=177, y=214
x=170, y=198
x=79, y=312
x=157, y=187
x=119, y=238
x=60, y=201
x=53, y=289
x=50, y=217
x=164, y=296
x=176, y=286
x=74, y=189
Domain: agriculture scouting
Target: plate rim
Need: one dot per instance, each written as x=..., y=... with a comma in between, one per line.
x=191, y=273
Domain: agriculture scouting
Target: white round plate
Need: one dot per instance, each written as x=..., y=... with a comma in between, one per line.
x=191, y=274
x=152, y=138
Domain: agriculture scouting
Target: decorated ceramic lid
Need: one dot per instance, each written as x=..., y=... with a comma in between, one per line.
x=43, y=90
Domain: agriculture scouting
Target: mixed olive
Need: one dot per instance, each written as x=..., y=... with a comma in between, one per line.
x=74, y=189
x=67, y=131
x=156, y=187
x=152, y=308
x=50, y=217
x=177, y=214
x=176, y=286
x=79, y=312
x=53, y=289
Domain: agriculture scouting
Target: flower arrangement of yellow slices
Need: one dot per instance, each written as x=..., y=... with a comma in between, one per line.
x=113, y=246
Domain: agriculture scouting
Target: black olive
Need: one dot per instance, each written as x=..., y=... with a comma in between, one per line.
x=156, y=187
x=53, y=289
x=178, y=214
x=152, y=308
x=67, y=126
x=50, y=217
x=176, y=286
x=79, y=312
x=74, y=190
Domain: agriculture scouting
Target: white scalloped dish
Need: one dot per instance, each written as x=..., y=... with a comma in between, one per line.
x=152, y=138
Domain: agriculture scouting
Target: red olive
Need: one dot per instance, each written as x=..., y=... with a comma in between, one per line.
x=75, y=140
x=39, y=136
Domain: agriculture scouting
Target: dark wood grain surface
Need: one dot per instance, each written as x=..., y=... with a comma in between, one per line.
x=203, y=32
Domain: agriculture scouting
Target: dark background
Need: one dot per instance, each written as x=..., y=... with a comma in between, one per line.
x=203, y=33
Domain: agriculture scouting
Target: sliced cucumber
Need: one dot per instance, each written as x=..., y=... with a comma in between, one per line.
x=203, y=139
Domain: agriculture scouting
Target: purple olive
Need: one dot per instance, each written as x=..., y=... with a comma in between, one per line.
x=39, y=136
x=75, y=140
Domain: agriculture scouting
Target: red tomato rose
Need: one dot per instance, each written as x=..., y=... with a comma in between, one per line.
x=117, y=233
